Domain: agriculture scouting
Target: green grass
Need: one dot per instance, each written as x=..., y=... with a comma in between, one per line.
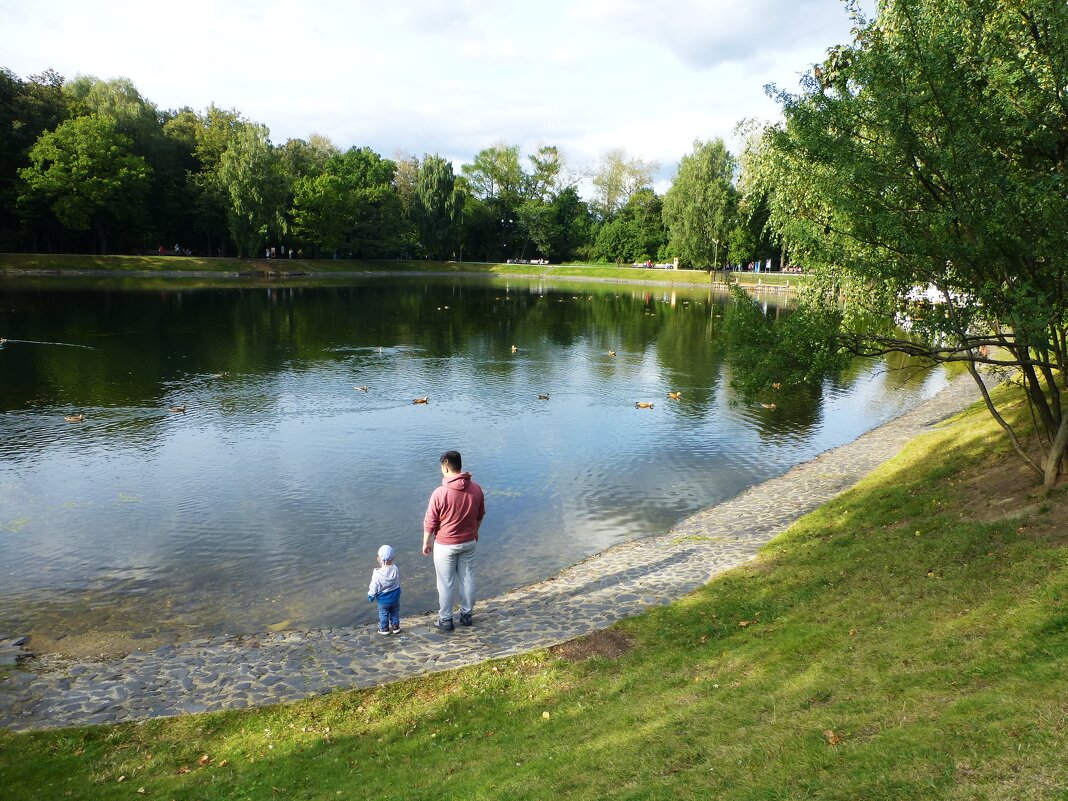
x=894, y=648
x=72, y=263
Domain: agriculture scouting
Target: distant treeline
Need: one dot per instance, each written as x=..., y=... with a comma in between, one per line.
x=88, y=165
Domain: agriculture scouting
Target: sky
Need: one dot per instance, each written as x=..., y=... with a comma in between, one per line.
x=449, y=77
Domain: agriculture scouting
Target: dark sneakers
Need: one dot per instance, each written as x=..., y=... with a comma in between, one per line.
x=465, y=619
x=443, y=625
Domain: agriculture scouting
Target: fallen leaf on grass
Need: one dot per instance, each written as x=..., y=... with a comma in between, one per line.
x=224, y=763
x=204, y=760
x=832, y=738
x=545, y=715
x=141, y=790
x=183, y=770
x=743, y=623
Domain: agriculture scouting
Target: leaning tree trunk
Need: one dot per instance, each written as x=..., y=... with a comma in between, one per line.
x=1052, y=465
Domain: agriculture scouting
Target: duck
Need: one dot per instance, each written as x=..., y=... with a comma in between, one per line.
x=674, y=395
x=543, y=397
x=361, y=389
x=768, y=405
x=178, y=409
x=515, y=349
x=611, y=353
x=75, y=418
x=424, y=399
x=643, y=405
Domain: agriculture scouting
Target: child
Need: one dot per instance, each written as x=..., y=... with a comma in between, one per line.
x=385, y=588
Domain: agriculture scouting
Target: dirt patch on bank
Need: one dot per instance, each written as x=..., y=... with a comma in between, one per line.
x=607, y=644
x=1004, y=488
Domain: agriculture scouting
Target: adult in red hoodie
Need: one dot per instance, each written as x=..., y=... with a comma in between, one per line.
x=450, y=532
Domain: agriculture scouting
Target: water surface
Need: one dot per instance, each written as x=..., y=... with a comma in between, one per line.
x=264, y=502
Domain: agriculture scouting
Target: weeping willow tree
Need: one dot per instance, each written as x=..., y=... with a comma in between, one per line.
x=919, y=174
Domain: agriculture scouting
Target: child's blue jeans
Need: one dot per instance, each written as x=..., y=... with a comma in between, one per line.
x=388, y=615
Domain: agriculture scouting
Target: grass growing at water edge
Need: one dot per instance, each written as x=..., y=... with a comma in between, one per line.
x=901, y=642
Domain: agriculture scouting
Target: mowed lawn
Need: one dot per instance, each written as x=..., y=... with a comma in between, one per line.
x=907, y=641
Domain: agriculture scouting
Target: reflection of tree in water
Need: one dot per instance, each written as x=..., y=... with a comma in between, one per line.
x=783, y=365
x=152, y=344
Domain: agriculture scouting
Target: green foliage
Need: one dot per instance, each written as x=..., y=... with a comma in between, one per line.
x=85, y=172
x=931, y=152
x=557, y=228
x=440, y=204
x=793, y=349
x=700, y=204
x=636, y=233
x=250, y=173
x=349, y=206
x=617, y=178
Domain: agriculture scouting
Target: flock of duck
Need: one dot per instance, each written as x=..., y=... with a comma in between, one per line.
x=545, y=396
x=80, y=418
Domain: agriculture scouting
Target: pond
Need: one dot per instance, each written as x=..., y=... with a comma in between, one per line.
x=262, y=504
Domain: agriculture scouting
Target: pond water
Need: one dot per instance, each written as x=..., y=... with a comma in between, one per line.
x=262, y=504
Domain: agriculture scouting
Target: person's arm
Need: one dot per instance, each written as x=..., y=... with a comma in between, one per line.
x=428, y=545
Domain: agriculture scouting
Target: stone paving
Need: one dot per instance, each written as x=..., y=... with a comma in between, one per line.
x=230, y=672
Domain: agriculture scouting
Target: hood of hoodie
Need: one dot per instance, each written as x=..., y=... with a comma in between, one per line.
x=458, y=482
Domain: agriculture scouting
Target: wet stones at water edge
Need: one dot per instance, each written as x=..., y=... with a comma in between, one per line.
x=11, y=650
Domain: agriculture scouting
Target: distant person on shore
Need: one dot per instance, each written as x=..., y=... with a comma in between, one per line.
x=385, y=588
x=450, y=531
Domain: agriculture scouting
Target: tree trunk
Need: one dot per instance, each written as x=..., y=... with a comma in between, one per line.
x=101, y=238
x=1056, y=454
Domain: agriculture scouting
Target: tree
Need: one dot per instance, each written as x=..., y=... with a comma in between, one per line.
x=321, y=212
x=699, y=207
x=251, y=175
x=215, y=131
x=750, y=237
x=438, y=208
x=351, y=205
x=547, y=173
x=931, y=154
x=559, y=227
x=617, y=178
x=85, y=172
x=28, y=108
x=636, y=233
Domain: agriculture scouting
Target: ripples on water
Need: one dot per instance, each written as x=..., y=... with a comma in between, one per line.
x=264, y=502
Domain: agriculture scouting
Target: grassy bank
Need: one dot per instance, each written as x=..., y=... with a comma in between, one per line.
x=75, y=264
x=907, y=641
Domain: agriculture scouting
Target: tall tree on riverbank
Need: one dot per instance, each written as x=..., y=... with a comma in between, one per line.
x=86, y=174
x=439, y=206
x=933, y=152
x=617, y=178
x=250, y=172
x=699, y=207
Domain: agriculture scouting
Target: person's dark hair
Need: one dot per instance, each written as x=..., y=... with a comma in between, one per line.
x=452, y=459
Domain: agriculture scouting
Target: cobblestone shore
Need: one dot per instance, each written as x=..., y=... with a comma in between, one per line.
x=231, y=672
